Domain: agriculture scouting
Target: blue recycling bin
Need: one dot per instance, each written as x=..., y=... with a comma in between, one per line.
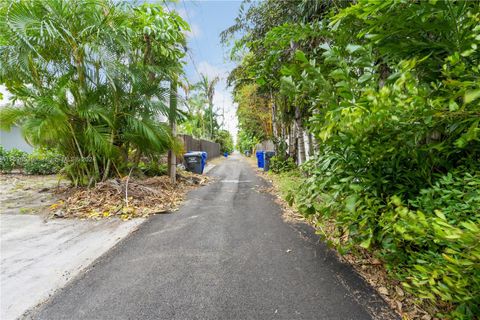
x=260, y=159
x=204, y=159
x=225, y=154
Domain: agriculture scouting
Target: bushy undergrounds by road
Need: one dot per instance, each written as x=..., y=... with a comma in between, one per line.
x=366, y=262
x=126, y=198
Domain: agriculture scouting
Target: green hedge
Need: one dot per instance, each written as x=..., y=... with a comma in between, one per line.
x=433, y=241
x=430, y=242
x=41, y=161
x=281, y=164
x=13, y=159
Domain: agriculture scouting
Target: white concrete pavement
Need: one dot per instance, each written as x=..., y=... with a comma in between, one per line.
x=38, y=257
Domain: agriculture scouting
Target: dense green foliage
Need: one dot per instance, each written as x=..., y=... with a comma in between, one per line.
x=153, y=168
x=90, y=76
x=224, y=138
x=41, y=161
x=253, y=114
x=246, y=141
x=443, y=220
x=390, y=92
x=12, y=159
x=281, y=164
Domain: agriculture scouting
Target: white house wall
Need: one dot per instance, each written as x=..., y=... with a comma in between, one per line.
x=14, y=139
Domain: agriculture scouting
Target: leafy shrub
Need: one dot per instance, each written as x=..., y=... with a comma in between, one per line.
x=5, y=161
x=153, y=168
x=433, y=242
x=397, y=173
x=281, y=164
x=18, y=158
x=224, y=138
x=43, y=161
x=13, y=159
x=429, y=241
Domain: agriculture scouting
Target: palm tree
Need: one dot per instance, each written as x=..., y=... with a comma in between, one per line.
x=90, y=76
x=208, y=88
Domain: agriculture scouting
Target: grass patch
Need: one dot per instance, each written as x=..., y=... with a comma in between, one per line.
x=286, y=182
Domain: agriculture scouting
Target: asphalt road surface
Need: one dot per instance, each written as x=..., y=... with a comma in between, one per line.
x=226, y=254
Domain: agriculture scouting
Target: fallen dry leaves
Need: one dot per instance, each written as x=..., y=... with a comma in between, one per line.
x=125, y=198
x=373, y=271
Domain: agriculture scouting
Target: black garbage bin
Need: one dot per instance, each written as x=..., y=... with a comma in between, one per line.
x=193, y=162
x=268, y=156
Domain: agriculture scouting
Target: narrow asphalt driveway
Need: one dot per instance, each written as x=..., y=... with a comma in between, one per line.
x=226, y=254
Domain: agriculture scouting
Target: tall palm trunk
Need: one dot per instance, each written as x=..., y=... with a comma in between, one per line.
x=172, y=160
x=211, y=119
x=274, y=124
x=300, y=139
x=311, y=150
x=316, y=146
x=292, y=145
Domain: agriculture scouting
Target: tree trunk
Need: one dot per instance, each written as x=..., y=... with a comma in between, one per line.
x=147, y=55
x=310, y=146
x=211, y=119
x=292, y=143
x=300, y=138
x=384, y=72
x=274, y=124
x=316, y=146
x=283, y=141
x=301, y=145
x=172, y=160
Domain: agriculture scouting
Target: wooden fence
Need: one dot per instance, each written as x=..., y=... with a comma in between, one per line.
x=192, y=144
x=266, y=145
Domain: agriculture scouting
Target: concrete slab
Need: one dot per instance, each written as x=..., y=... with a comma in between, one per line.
x=38, y=257
x=208, y=167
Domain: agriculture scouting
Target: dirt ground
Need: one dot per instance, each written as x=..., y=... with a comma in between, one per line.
x=25, y=194
x=52, y=197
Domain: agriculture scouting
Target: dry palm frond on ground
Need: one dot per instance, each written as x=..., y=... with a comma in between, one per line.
x=125, y=198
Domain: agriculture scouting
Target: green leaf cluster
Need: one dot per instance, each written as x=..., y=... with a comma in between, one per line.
x=390, y=91
x=246, y=142
x=281, y=164
x=201, y=120
x=224, y=138
x=89, y=79
x=42, y=161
